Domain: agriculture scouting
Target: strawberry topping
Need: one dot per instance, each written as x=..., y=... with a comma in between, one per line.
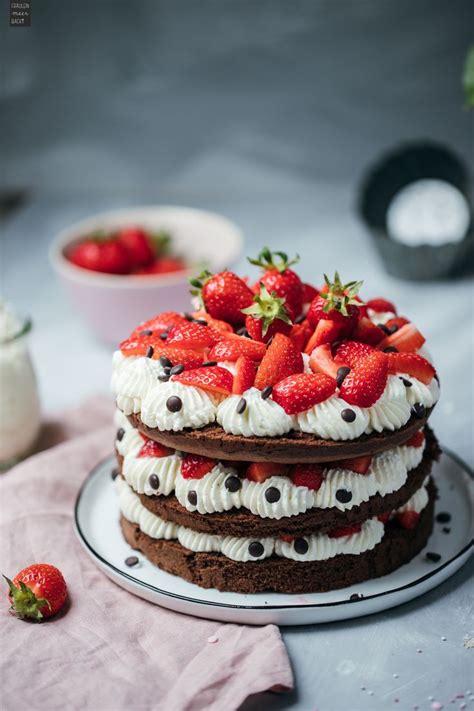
x=213, y=379
x=366, y=381
x=417, y=440
x=411, y=364
x=260, y=471
x=280, y=360
x=297, y=393
x=244, y=378
x=194, y=466
x=345, y=531
x=154, y=449
x=309, y=475
x=233, y=346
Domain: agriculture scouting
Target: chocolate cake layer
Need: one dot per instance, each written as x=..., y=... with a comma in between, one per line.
x=214, y=570
x=241, y=522
x=293, y=448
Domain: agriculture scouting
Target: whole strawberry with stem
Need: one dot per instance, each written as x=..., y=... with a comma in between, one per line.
x=223, y=295
x=337, y=302
x=268, y=315
x=37, y=592
x=279, y=278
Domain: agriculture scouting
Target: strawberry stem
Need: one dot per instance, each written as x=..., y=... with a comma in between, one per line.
x=197, y=283
x=273, y=260
x=25, y=604
x=268, y=308
x=339, y=296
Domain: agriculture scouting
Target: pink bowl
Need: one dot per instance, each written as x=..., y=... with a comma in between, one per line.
x=112, y=304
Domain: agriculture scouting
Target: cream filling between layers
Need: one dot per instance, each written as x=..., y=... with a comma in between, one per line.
x=320, y=546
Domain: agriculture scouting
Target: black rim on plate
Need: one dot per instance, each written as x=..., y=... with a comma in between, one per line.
x=123, y=574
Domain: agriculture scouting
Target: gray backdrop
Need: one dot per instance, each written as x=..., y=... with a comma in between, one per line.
x=197, y=94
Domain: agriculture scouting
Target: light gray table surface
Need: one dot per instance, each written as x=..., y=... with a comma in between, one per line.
x=331, y=662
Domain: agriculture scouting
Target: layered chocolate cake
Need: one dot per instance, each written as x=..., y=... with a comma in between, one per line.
x=276, y=438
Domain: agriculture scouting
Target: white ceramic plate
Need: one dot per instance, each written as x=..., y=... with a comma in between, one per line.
x=97, y=526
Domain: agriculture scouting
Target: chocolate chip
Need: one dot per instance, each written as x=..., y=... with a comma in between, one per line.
x=418, y=410
x=241, y=405
x=177, y=369
x=355, y=596
x=436, y=377
x=406, y=383
x=272, y=494
x=164, y=335
x=301, y=546
x=164, y=377
x=131, y=561
x=174, y=403
x=146, y=332
x=114, y=473
x=388, y=329
x=446, y=529
x=384, y=328
x=120, y=434
x=343, y=496
x=149, y=352
x=188, y=316
x=242, y=332
x=341, y=374
x=201, y=321
x=154, y=481
x=165, y=362
x=443, y=517
x=300, y=318
x=167, y=370
x=390, y=349
x=348, y=415
x=256, y=549
x=266, y=392
x=433, y=557
x=209, y=363
x=192, y=498
x=232, y=483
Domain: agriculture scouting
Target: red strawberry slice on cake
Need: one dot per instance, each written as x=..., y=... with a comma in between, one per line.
x=325, y=332
x=345, y=531
x=351, y=353
x=213, y=379
x=154, y=449
x=407, y=339
x=417, y=440
x=407, y=519
x=153, y=348
x=158, y=324
x=322, y=361
x=244, y=378
x=300, y=392
x=233, y=346
x=367, y=332
x=411, y=364
x=380, y=305
x=190, y=334
x=359, y=465
x=261, y=471
x=194, y=466
x=309, y=475
x=280, y=360
x=366, y=381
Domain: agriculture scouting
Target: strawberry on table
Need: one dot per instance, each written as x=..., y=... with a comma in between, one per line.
x=37, y=592
x=411, y=364
x=407, y=339
x=138, y=245
x=190, y=334
x=233, y=346
x=366, y=381
x=309, y=475
x=297, y=393
x=260, y=471
x=244, y=378
x=154, y=449
x=279, y=278
x=213, y=379
x=223, y=295
x=380, y=305
x=280, y=360
x=338, y=303
x=194, y=466
x=267, y=315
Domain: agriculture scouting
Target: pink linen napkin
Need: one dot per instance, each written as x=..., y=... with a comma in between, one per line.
x=110, y=650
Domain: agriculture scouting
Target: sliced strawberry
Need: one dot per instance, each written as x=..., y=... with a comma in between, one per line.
x=345, y=531
x=194, y=466
x=213, y=379
x=360, y=465
x=366, y=382
x=309, y=475
x=244, y=378
x=192, y=335
x=381, y=306
x=287, y=538
x=153, y=449
x=297, y=393
x=158, y=324
x=233, y=346
x=321, y=361
x=156, y=349
x=407, y=519
x=216, y=323
x=396, y=323
x=407, y=339
x=260, y=471
x=412, y=364
x=280, y=360
x=367, y=332
x=352, y=353
x=300, y=333
x=385, y=517
x=309, y=293
x=417, y=440
x=325, y=332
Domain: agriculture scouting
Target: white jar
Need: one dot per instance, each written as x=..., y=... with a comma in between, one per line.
x=20, y=418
